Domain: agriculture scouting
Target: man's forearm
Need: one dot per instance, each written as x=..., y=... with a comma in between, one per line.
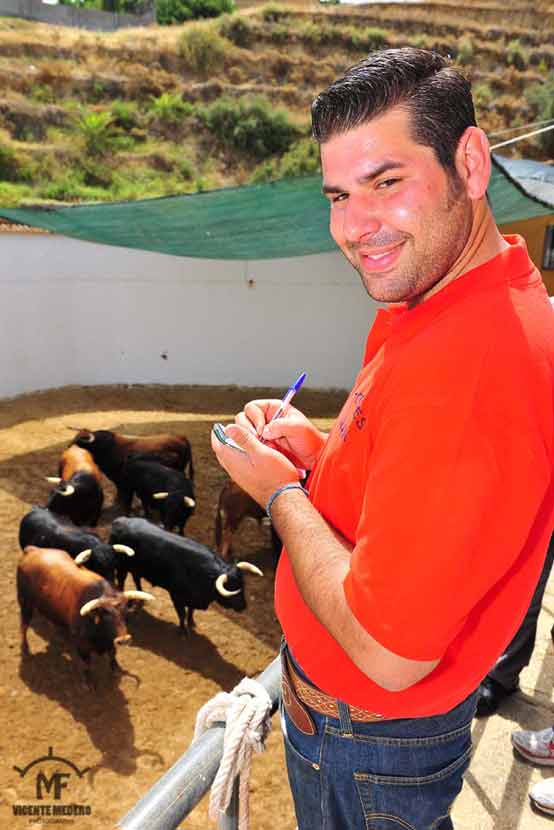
x=320, y=560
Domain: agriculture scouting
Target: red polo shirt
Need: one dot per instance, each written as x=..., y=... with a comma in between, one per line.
x=439, y=471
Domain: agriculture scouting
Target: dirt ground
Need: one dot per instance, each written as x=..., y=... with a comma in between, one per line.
x=133, y=728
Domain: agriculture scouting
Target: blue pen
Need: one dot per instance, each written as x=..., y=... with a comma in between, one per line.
x=288, y=396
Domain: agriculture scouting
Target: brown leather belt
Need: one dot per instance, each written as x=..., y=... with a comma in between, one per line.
x=315, y=698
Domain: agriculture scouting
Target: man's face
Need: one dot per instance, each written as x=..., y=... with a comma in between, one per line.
x=395, y=214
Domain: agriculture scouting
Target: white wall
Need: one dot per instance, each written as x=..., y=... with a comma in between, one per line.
x=79, y=313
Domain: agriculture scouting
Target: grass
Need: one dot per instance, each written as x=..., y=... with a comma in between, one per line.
x=151, y=111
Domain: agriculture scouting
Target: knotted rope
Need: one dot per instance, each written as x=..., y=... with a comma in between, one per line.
x=246, y=714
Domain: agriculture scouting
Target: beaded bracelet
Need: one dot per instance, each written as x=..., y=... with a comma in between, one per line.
x=293, y=485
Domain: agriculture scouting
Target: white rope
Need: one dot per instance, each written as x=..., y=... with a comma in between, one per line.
x=246, y=713
x=521, y=137
x=521, y=127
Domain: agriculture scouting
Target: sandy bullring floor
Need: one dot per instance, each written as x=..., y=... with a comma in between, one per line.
x=129, y=731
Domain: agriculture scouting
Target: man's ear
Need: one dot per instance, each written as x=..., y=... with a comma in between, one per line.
x=473, y=162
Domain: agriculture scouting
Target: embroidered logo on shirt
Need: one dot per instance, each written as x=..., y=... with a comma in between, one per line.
x=358, y=418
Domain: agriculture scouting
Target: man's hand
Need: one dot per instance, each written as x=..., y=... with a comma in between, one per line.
x=292, y=434
x=260, y=470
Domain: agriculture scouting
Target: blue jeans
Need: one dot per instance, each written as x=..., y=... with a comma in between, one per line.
x=399, y=774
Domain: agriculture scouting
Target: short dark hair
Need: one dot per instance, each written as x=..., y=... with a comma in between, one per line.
x=437, y=97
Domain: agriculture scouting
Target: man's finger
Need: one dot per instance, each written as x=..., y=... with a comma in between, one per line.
x=243, y=437
x=245, y=423
x=256, y=415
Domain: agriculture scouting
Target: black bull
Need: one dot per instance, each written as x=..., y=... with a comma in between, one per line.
x=192, y=574
x=44, y=529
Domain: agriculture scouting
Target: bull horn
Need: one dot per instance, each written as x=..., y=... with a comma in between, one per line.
x=83, y=557
x=160, y=495
x=189, y=502
x=68, y=490
x=92, y=604
x=139, y=595
x=54, y=479
x=124, y=549
x=248, y=566
x=221, y=589
x=88, y=439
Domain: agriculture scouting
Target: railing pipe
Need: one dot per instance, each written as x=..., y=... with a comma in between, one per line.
x=179, y=790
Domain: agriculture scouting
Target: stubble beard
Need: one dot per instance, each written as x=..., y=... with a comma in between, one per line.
x=428, y=267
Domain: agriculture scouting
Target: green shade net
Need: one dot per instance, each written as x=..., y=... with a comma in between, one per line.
x=266, y=221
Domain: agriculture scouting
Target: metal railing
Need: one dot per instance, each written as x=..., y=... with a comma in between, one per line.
x=180, y=789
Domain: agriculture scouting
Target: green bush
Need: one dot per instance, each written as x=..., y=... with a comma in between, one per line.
x=43, y=93
x=301, y=160
x=98, y=132
x=482, y=95
x=541, y=98
x=466, y=51
x=66, y=189
x=202, y=48
x=96, y=174
x=170, y=108
x=368, y=38
x=179, y=11
x=516, y=55
x=273, y=13
x=250, y=126
x=420, y=41
x=125, y=114
x=238, y=30
x=318, y=34
x=280, y=33
x=186, y=170
x=9, y=167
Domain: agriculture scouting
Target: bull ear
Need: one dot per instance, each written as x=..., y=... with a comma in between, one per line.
x=221, y=589
x=248, y=566
x=124, y=549
x=54, y=479
x=83, y=557
x=189, y=502
x=160, y=495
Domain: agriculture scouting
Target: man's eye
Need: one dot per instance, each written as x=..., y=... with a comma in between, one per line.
x=387, y=183
x=340, y=198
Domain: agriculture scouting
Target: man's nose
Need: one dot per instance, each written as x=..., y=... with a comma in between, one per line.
x=360, y=219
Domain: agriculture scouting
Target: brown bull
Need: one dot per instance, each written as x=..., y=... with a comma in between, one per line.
x=234, y=505
x=78, y=494
x=111, y=450
x=90, y=611
x=75, y=459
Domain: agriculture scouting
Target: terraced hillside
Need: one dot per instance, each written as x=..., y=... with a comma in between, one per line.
x=146, y=112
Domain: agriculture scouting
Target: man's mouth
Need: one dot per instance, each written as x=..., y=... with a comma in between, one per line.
x=379, y=260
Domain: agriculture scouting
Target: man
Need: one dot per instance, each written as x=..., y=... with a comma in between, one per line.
x=411, y=564
x=537, y=746
x=503, y=679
